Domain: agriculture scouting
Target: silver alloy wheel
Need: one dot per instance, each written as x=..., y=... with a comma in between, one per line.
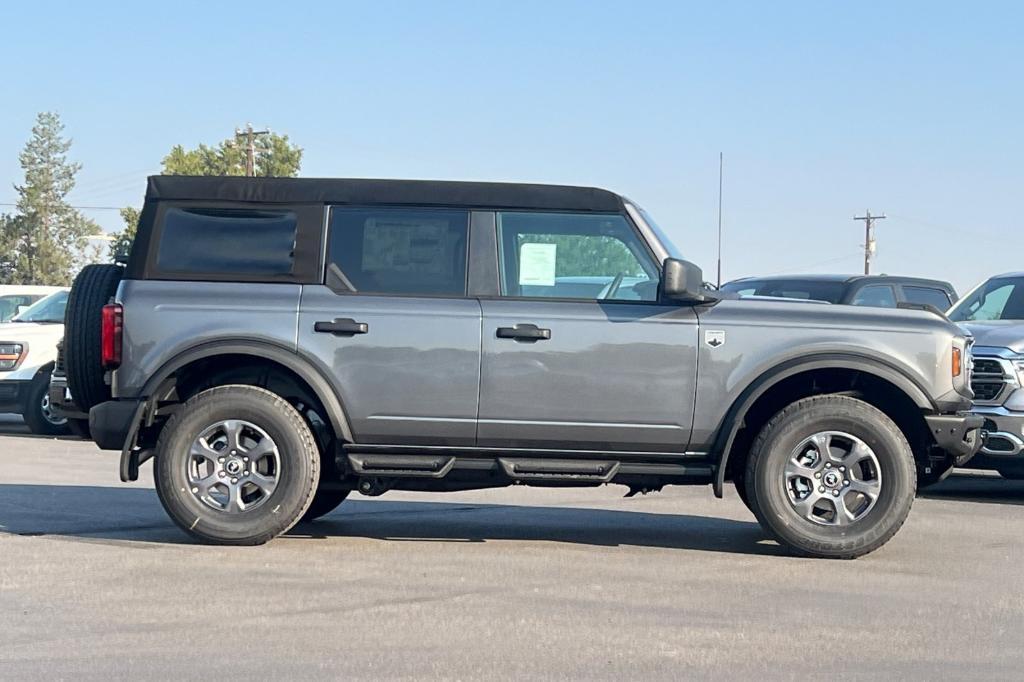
x=833, y=478
x=233, y=466
x=46, y=409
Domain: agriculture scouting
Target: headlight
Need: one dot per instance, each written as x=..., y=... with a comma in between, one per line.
x=1019, y=366
x=10, y=355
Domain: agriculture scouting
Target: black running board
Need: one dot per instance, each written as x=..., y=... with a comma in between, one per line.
x=526, y=470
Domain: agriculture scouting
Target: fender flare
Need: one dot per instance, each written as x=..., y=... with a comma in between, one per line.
x=265, y=351
x=259, y=349
x=733, y=420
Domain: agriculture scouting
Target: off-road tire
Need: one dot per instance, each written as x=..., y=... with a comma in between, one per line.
x=740, y=484
x=784, y=432
x=298, y=476
x=93, y=288
x=324, y=502
x=32, y=411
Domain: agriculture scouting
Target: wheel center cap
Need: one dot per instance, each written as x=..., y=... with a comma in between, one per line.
x=233, y=466
x=832, y=479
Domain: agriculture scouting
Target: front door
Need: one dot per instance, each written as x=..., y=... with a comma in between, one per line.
x=392, y=326
x=578, y=353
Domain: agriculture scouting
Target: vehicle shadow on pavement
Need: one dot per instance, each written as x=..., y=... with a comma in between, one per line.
x=462, y=522
x=13, y=426
x=966, y=487
x=135, y=514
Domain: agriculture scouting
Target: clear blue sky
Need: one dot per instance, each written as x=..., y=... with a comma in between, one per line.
x=823, y=109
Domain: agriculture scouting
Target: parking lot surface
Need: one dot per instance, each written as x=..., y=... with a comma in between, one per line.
x=513, y=583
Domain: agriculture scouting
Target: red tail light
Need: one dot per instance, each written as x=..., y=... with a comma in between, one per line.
x=110, y=344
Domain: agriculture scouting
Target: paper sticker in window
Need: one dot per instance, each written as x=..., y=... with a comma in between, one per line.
x=537, y=265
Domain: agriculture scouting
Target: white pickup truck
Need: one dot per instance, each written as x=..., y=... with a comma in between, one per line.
x=28, y=350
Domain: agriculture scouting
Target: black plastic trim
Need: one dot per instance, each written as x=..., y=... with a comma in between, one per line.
x=733, y=420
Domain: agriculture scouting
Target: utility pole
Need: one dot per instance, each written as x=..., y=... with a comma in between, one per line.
x=250, y=147
x=869, y=237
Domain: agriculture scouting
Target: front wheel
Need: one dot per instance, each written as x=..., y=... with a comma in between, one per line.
x=236, y=465
x=831, y=477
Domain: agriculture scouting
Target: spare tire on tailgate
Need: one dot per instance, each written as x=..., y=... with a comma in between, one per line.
x=93, y=289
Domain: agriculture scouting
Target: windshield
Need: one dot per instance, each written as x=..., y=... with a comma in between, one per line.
x=1000, y=298
x=50, y=309
x=806, y=289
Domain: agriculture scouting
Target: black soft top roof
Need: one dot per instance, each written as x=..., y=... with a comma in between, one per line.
x=358, y=191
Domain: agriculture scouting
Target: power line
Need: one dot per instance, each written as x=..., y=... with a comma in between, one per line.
x=869, y=237
x=81, y=208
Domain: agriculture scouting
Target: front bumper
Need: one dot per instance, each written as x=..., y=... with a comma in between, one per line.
x=13, y=393
x=1004, y=444
x=958, y=434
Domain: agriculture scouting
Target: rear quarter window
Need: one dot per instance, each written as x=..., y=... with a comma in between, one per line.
x=227, y=242
x=937, y=298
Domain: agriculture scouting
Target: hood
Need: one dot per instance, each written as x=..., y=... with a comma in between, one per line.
x=30, y=331
x=998, y=334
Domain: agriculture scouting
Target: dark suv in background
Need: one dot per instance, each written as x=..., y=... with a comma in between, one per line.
x=879, y=291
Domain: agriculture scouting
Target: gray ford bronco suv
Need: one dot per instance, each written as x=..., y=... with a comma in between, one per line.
x=276, y=344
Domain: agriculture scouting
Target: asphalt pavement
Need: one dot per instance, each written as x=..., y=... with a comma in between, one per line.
x=96, y=583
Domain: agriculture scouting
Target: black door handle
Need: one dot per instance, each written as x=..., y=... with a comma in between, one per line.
x=524, y=332
x=342, y=326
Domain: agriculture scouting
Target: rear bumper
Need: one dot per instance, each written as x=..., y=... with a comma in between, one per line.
x=958, y=434
x=110, y=423
x=12, y=395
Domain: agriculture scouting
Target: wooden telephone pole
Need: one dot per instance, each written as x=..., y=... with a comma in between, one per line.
x=250, y=147
x=869, y=237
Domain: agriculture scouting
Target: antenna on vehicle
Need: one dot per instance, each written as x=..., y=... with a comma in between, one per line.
x=721, y=167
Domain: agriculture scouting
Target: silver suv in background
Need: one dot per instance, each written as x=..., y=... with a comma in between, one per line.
x=275, y=344
x=994, y=313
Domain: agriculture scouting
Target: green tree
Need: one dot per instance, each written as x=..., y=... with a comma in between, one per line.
x=122, y=241
x=45, y=236
x=275, y=157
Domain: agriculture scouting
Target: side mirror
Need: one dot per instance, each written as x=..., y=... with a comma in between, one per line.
x=681, y=280
x=21, y=309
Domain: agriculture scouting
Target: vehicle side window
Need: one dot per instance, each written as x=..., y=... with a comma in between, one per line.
x=575, y=256
x=223, y=242
x=417, y=251
x=937, y=298
x=876, y=295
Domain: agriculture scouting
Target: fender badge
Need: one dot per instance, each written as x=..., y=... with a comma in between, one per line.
x=714, y=337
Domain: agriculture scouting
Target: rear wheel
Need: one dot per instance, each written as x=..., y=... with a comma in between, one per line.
x=831, y=477
x=237, y=465
x=38, y=413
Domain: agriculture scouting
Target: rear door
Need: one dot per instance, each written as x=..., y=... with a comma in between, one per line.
x=578, y=353
x=392, y=325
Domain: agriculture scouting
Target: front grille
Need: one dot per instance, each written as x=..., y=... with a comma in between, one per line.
x=987, y=366
x=986, y=390
x=988, y=379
